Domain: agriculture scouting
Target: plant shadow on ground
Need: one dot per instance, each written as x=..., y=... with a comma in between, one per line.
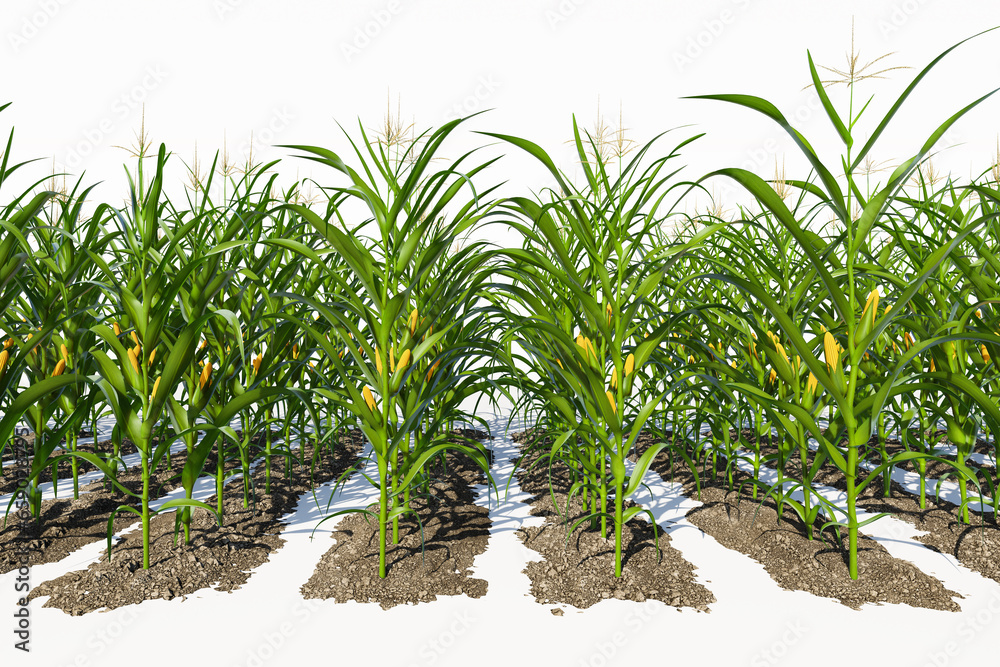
x=218, y=557
x=580, y=571
x=818, y=566
x=425, y=563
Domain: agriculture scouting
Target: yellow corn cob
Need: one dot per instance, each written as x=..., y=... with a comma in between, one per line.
x=133, y=361
x=610, y=312
x=4, y=356
x=64, y=351
x=587, y=346
x=256, y=363
x=629, y=364
x=155, y=386
x=872, y=303
x=392, y=358
x=812, y=384
x=412, y=321
x=135, y=337
x=152, y=355
x=985, y=353
x=434, y=368
x=611, y=400
x=60, y=367
x=117, y=329
x=404, y=359
x=295, y=351
x=205, y=374
x=378, y=361
x=832, y=350
x=773, y=376
x=781, y=353
x=614, y=378
x=369, y=399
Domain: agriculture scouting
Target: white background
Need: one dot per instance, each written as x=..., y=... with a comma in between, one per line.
x=288, y=72
x=78, y=73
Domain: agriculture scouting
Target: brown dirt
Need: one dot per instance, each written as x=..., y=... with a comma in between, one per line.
x=794, y=562
x=67, y=524
x=581, y=573
x=975, y=545
x=455, y=531
x=935, y=469
x=217, y=557
x=9, y=478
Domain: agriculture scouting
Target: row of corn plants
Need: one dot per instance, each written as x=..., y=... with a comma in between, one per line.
x=803, y=333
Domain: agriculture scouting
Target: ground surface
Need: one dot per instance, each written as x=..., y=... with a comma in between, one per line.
x=761, y=622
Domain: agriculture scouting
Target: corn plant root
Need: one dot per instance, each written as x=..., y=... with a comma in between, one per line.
x=581, y=573
x=455, y=531
x=219, y=558
x=816, y=566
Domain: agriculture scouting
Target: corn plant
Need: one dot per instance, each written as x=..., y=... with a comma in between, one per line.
x=603, y=264
x=413, y=234
x=139, y=381
x=858, y=397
